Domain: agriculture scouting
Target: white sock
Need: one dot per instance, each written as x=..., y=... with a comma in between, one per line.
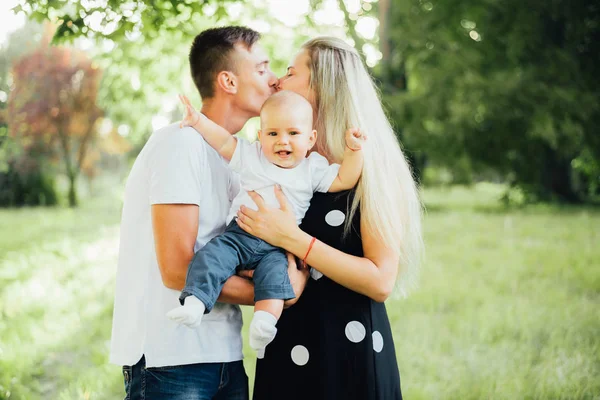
x=190, y=314
x=262, y=331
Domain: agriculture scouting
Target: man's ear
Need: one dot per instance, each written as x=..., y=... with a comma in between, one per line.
x=227, y=81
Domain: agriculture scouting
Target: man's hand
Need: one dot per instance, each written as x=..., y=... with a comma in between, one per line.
x=298, y=273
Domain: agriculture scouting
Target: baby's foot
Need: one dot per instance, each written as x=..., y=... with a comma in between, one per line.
x=262, y=331
x=190, y=314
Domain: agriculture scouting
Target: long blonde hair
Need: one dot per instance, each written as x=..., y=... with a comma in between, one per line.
x=387, y=193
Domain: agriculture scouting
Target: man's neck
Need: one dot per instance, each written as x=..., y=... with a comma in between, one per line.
x=223, y=113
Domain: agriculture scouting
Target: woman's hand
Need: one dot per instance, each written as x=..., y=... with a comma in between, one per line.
x=273, y=225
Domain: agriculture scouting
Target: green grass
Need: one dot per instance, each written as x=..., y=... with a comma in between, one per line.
x=508, y=306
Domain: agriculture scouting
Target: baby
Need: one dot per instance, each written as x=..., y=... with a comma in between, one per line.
x=279, y=157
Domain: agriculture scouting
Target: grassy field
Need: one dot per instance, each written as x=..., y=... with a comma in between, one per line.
x=508, y=308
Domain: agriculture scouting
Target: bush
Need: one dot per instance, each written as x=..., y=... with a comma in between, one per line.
x=587, y=175
x=34, y=188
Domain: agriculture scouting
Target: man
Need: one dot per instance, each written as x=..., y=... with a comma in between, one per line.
x=176, y=199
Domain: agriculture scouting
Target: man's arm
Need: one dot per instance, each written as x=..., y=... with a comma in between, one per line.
x=175, y=228
x=298, y=273
x=237, y=290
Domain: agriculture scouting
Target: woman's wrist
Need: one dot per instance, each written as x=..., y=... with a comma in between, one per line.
x=297, y=243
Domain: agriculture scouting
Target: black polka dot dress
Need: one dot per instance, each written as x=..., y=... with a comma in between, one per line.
x=334, y=343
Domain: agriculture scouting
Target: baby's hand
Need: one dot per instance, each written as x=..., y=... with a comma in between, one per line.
x=355, y=139
x=191, y=116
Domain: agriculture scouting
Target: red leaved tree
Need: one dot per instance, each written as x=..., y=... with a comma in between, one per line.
x=52, y=106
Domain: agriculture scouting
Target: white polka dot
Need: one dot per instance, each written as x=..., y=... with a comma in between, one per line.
x=335, y=217
x=377, y=341
x=316, y=275
x=300, y=355
x=355, y=331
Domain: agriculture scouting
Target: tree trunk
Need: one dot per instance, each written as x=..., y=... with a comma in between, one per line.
x=72, y=191
x=556, y=180
x=384, y=38
x=351, y=29
x=384, y=34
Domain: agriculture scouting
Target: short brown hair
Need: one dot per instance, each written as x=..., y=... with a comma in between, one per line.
x=210, y=54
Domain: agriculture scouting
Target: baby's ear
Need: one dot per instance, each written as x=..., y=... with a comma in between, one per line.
x=313, y=138
x=259, y=133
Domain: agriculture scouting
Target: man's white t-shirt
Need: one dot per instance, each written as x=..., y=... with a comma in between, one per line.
x=176, y=166
x=313, y=174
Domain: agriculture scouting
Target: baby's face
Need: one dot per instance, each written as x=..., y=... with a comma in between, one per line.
x=286, y=136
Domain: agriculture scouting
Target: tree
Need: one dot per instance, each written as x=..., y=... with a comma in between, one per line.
x=507, y=85
x=17, y=44
x=52, y=107
x=22, y=182
x=142, y=47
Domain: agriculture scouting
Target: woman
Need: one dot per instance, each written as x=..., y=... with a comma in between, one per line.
x=336, y=342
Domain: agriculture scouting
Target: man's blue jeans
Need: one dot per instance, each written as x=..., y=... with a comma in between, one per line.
x=206, y=381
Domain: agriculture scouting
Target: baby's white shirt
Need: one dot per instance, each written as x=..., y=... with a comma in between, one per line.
x=313, y=174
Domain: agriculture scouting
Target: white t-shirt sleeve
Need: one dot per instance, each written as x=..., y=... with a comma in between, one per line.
x=234, y=185
x=322, y=174
x=176, y=166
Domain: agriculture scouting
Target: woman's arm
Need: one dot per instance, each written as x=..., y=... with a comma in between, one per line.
x=373, y=275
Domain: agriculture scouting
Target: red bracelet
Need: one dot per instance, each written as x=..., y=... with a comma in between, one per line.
x=351, y=148
x=309, y=248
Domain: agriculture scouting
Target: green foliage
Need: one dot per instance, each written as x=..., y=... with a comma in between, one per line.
x=588, y=171
x=508, y=88
x=142, y=46
x=52, y=108
x=116, y=19
x=33, y=188
x=20, y=185
x=496, y=88
x=19, y=43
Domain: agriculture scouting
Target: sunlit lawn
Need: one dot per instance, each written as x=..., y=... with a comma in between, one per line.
x=509, y=304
